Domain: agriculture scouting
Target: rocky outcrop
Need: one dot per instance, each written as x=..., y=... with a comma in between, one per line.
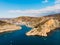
x=28, y=21
x=6, y=27
x=41, y=26
x=45, y=28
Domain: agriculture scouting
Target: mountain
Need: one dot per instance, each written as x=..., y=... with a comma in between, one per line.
x=42, y=29
x=41, y=26
x=5, y=18
x=45, y=28
x=28, y=21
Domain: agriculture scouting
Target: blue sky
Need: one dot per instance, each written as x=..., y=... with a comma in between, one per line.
x=15, y=8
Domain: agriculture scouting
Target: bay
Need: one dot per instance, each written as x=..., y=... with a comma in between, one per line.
x=19, y=38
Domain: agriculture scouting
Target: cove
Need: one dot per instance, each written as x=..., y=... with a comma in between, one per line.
x=19, y=38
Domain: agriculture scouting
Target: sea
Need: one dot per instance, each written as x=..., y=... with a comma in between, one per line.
x=19, y=38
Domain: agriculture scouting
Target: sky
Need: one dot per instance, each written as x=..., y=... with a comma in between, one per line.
x=35, y=8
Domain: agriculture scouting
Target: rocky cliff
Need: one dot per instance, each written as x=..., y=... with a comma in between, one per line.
x=41, y=26
x=32, y=21
x=48, y=24
x=44, y=29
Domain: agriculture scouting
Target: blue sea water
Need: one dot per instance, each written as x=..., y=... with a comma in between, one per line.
x=19, y=38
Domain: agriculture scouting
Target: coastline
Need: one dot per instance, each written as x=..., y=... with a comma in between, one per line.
x=9, y=29
x=44, y=29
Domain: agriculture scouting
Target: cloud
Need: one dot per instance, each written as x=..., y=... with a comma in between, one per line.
x=40, y=12
x=24, y=11
x=44, y=11
x=45, y=1
x=57, y=1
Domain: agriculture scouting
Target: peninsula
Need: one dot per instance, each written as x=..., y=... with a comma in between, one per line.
x=7, y=27
x=50, y=23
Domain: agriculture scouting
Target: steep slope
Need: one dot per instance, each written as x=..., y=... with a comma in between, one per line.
x=28, y=21
x=44, y=29
x=41, y=25
x=48, y=24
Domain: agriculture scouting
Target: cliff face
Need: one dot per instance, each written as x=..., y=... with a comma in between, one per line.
x=48, y=24
x=44, y=29
x=41, y=25
x=28, y=21
x=32, y=21
x=6, y=27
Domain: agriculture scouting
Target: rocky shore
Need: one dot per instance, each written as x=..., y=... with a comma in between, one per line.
x=7, y=27
x=44, y=29
x=41, y=26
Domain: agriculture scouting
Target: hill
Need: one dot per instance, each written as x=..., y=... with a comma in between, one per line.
x=40, y=25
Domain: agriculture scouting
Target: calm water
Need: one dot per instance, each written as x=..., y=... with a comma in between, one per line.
x=19, y=38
